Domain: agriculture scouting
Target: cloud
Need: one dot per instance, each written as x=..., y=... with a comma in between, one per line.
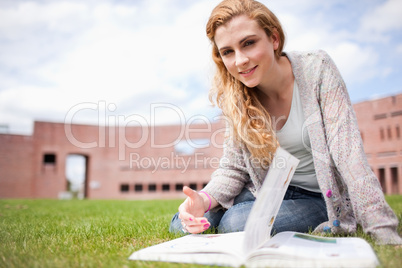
x=383, y=19
x=55, y=55
x=304, y=33
x=356, y=63
x=331, y=26
x=70, y=53
x=399, y=49
x=32, y=33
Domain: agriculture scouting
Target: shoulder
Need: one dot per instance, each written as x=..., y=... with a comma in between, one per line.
x=308, y=58
x=315, y=73
x=314, y=65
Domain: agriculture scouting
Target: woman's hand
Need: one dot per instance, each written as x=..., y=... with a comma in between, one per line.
x=191, y=212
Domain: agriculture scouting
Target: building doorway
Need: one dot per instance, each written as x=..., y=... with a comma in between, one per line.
x=394, y=181
x=76, y=175
x=381, y=177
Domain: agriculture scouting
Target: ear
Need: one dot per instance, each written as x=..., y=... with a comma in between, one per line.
x=275, y=39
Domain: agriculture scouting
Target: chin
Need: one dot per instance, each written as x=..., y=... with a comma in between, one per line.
x=250, y=84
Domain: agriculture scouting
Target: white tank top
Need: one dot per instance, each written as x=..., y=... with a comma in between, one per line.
x=294, y=138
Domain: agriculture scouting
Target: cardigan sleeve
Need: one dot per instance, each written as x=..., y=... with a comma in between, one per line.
x=231, y=176
x=346, y=148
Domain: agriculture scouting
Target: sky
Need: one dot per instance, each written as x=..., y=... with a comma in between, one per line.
x=145, y=62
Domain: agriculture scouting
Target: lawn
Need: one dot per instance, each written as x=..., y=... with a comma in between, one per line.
x=103, y=233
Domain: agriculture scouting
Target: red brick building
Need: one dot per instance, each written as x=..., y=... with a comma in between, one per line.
x=155, y=162
x=380, y=123
x=121, y=163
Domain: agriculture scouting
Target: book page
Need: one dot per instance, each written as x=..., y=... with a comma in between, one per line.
x=292, y=249
x=269, y=199
x=208, y=249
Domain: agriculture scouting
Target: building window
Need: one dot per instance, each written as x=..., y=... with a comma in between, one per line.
x=49, y=162
x=49, y=159
x=138, y=187
x=382, y=136
x=152, y=187
x=397, y=113
x=389, y=133
x=193, y=186
x=165, y=187
x=124, y=188
x=179, y=187
x=380, y=116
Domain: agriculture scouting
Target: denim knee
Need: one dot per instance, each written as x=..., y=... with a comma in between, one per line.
x=175, y=224
x=300, y=215
x=234, y=220
x=213, y=218
x=244, y=196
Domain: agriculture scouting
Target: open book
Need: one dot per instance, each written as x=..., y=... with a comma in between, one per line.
x=254, y=247
x=286, y=249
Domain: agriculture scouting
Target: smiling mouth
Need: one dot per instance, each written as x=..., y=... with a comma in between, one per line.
x=248, y=71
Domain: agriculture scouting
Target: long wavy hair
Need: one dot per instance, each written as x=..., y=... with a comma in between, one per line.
x=250, y=122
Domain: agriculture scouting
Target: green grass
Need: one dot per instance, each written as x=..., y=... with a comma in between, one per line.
x=103, y=233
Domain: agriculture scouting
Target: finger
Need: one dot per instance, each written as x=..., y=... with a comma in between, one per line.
x=197, y=228
x=189, y=192
x=200, y=220
x=197, y=222
x=193, y=204
x=185, y=216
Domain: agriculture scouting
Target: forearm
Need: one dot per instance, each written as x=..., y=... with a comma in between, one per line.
x=209, y=201
x=229, y=179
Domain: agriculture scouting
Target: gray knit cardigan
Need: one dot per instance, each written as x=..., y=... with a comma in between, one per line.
x=351, y=190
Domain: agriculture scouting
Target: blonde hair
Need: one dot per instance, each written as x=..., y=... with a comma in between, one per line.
x=250, y=121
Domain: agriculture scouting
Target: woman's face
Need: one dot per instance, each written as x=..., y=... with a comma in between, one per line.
x=246, y=50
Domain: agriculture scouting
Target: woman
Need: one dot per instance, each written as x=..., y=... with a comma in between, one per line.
x=296, y=100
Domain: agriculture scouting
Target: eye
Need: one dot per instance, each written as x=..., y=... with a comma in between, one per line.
x=249, y=43
x=226, y=52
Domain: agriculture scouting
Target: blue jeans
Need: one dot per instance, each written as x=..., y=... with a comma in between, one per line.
x=301, y=211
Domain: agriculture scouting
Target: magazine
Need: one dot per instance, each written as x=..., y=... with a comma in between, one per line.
x=255, y=247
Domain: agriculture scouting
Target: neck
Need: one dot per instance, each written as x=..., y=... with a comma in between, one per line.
x=280, y=78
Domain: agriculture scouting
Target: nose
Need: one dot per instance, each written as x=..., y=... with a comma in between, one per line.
x=241, y=59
